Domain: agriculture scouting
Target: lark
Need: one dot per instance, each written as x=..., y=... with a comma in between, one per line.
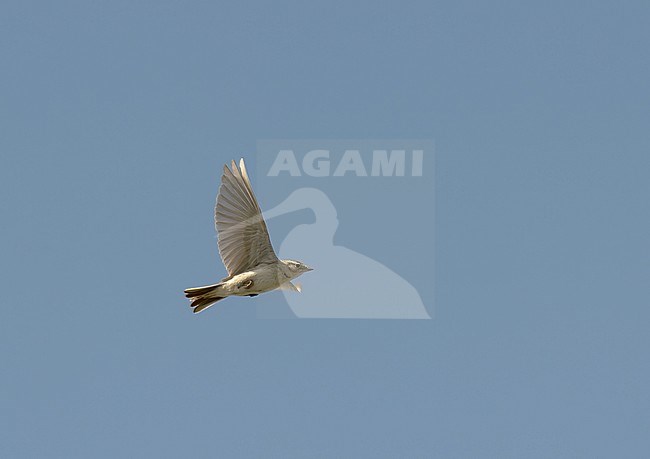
x=244, y=246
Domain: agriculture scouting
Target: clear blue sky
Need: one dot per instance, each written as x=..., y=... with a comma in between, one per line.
x=115, y=119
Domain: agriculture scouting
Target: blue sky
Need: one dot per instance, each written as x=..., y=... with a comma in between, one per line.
x=116, y=118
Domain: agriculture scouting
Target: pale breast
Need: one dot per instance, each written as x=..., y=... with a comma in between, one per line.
x=260, y=279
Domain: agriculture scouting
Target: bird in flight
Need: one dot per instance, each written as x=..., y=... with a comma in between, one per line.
x=244, y=246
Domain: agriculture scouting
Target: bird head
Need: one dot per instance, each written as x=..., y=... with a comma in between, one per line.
x=295, y=268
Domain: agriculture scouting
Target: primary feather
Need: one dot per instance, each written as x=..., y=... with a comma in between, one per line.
x=242, y=235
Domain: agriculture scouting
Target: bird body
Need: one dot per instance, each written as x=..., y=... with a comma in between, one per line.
x=244, y=246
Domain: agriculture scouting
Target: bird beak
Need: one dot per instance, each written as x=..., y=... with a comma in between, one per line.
x=307, y=269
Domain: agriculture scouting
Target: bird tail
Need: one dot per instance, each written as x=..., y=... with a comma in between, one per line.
x=203, y=297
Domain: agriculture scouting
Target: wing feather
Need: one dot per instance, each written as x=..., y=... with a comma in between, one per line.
x=243, y=238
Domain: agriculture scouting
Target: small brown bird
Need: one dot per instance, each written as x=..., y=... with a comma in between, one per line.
x=244, y=246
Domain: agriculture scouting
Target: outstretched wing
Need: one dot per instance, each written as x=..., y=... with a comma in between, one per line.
x=243, y=238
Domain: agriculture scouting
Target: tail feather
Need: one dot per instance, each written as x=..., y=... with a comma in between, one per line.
x=203, y=297
x=203, y=303
x=199, y=291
